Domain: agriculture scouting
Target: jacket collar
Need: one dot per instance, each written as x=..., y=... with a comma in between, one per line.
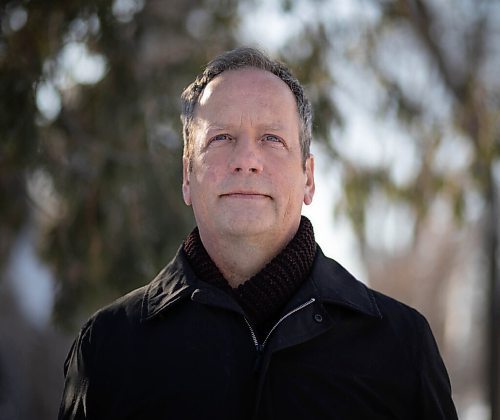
x=335, y=285
x=330, y=283
x=171, y=285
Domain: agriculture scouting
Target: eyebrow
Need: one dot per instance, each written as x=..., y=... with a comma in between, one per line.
x=265, y=127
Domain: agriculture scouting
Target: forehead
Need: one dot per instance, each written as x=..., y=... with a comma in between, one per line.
x=241, y=79
x=251, y=90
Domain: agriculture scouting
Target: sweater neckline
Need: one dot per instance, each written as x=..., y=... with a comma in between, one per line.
x=263, y=296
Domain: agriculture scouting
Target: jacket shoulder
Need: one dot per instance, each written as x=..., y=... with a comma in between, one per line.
x=402, y=317
x=135, y=306
x=339, y=287
x=127, y=306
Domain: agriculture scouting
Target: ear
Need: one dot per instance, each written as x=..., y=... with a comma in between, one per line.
x=309, y=186
x=186, y=189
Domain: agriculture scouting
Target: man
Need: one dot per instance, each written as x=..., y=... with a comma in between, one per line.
x=250, y=319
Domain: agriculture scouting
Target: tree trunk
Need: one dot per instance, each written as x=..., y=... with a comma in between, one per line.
x=494, y=298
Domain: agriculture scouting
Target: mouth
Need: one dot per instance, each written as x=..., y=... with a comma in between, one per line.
x=245, y=195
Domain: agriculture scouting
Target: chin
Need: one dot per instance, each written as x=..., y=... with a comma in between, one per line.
x=246, y=226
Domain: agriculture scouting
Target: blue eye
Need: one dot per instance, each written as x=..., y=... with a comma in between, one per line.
x=272, y=138
x=220, y=137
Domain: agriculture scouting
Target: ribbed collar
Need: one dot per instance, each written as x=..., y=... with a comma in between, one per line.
x=263, y=296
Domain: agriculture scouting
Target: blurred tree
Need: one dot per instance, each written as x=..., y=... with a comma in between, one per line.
x=90, y=130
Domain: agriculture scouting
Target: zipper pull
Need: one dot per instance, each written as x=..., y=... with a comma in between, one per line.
x=258, y=359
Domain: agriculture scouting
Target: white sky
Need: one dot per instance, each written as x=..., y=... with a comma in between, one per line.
x=335, y=237
x=32, y=282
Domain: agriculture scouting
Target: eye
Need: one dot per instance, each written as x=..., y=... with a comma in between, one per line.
x=272, y=138
x=220, y=137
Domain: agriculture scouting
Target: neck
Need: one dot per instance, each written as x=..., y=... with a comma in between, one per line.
x=240, y=258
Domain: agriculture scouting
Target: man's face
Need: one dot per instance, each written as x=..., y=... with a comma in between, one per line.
x=246, y=176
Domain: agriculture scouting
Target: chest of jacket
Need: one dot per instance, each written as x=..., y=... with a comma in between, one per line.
x=179, y=348
x=200, y=361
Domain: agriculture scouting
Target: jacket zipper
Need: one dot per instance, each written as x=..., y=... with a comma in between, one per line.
x=260, y=347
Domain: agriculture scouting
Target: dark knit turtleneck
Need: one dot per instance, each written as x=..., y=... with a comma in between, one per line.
x=264, y=295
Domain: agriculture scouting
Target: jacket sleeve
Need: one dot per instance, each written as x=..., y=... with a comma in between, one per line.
x=435, y=401
x=76, y=372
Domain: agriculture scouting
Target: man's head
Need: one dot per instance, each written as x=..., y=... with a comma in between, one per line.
x=247, y=170
x=237, y=59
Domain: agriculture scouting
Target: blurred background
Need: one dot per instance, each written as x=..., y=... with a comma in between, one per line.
x=406, y=96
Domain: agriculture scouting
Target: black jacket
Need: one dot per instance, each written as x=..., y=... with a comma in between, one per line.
x=182, y=349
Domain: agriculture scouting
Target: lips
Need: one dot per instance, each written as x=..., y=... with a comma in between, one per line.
x=245, y=194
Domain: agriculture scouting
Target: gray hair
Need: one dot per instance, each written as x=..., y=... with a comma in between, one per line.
x=237, y=59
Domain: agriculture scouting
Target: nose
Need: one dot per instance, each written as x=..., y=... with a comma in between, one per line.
x=246, y=156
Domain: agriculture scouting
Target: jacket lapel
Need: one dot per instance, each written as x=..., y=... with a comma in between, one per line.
x=329, y=284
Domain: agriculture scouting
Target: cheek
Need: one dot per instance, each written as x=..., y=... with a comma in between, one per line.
x=297, y=186
x=212, y=165
x=205, y=181
x=289, y=188
x=206, y=177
